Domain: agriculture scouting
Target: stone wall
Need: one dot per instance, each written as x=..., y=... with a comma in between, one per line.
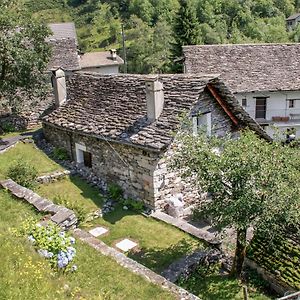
x=129, y=167
x=30, y=113
x=143, y=174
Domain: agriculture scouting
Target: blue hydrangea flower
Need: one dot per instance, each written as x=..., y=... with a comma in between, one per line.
x=49, y=255
x=74, y=268
x=62, y=262
x=42, y=252
x=31, y=239
x=62, y=234
x=72, y=240
x=71, y=250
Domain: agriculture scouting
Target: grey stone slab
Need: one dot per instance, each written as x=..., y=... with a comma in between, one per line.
x=186, y=227
x=61, y=216
x=41, y=205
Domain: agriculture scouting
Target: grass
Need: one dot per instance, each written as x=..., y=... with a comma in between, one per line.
x=16, y=133
x=25, y=275
x=159, y=243
x=214, y=286
x=30, y=154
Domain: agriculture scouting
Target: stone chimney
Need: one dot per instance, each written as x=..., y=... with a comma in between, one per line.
x=59, y=86
x=154, y=98
x=113, y=54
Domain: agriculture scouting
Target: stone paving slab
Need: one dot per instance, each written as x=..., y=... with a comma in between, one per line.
x=98, y=231
x=126, y=245
x=133, y=266
x=186, y=227
x=62, y=216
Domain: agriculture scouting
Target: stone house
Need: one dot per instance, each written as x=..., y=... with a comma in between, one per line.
x=292, y=21
x=123, y=126
x=265, y=79
x=66, y=54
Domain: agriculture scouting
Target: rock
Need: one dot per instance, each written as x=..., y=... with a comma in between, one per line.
x=125, y=207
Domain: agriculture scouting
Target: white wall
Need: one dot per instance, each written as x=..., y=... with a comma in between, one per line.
x=103, y=70
x=277, y=106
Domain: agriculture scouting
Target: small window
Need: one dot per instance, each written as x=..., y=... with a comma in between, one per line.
x=244, y=102
x=202, y=123
x=291, y=103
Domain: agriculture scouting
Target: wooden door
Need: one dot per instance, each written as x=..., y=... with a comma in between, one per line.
x=261, y=108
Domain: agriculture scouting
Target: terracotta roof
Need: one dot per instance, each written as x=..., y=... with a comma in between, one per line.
x=98, y=59
x=113, y=107
x=63, y=31
x=293, y=17
x=64, y=54
x=248, y=68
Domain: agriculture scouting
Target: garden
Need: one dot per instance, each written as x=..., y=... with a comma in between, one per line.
x=158, y=244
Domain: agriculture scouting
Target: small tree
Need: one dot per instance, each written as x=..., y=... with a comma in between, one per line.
x=24, y=54
x=186, y=32
x=253, y=184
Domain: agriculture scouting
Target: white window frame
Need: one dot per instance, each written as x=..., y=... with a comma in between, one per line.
x=200, y=121
x=79, y=148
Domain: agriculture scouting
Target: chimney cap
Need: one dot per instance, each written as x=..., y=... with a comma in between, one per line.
x=58, y=72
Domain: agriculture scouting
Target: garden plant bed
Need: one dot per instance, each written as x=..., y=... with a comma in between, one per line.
x=25, y=275
x=159, y=244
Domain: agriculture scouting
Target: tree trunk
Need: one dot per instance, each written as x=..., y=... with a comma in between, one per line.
x=240, y=253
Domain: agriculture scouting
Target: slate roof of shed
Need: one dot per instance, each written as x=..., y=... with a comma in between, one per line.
x=250, y=67
x=98, y=59
x=113, y=107
x=293, y=17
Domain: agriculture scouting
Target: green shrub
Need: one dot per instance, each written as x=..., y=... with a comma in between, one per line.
x=23, y=173
x=80, y=211
x=137, y=206
x=8, y=127
x=60, y=154
x=115, y=192
x=51, y=243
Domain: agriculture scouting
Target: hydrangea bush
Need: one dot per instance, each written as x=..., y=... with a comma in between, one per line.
x=52, y=244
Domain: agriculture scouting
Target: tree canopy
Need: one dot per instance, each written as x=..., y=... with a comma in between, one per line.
x=253, y=184
x=24, y=54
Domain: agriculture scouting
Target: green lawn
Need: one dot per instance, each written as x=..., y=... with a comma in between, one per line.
x=159, y=243
x=28, y=153
x=25, y=275
x=215, y=286
x=15, y=133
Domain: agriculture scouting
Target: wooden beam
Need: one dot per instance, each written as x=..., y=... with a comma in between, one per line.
x=222, y=104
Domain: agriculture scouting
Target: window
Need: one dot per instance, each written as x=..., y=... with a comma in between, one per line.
x=291, y=103
x=202, y=123
x=244, y=102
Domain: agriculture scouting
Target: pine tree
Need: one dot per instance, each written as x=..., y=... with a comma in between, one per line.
x=186, y=31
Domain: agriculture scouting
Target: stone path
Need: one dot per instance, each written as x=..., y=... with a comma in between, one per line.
x=62, y=216
x=6, y=143
x=132, y=265
x=187, y=227
x=186, y=264
x=126, y=245
x=98, y=231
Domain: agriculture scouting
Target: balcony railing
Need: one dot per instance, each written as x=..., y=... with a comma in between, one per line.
x=278, y=115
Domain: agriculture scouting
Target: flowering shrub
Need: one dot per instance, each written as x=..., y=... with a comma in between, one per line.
x=53, y=244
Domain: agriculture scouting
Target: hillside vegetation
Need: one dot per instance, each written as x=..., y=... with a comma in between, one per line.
x=149, y=24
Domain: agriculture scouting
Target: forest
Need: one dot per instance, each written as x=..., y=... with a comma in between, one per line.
x=155, y=30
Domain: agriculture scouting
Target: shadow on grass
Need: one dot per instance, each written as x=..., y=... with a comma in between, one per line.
x=159, y=259
x=95, y=195
x=213, y=287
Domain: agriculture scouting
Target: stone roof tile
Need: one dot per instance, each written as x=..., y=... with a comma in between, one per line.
x=113, y=107
x=248, y=68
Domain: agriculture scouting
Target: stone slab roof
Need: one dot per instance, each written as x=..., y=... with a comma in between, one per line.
x=293, y=17
x=113, y=107
x=63, y=31
x=99, y=59
x=64, y=54
x=248, y=68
